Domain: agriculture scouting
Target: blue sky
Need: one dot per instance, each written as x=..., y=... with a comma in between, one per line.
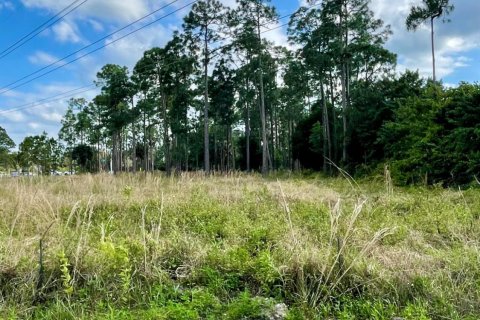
x=458, y=49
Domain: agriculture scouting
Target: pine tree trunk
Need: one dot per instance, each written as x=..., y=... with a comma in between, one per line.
x=272, y=138
x=262, y=105
x=327, y=144
x=344, y=79
x=247, y=137
x=344, y=113
x=334, y=117
x=98, y=156
x=120, y=160
x=134, y=148
x=215, y=153
x=186, y=153
x=433, y=48
x=228, y=147
x=166, y=142
x=145, y=148
x=116, y=151
x=205, y=111
x=290, y=144
x=124, y=150
x=276, y=133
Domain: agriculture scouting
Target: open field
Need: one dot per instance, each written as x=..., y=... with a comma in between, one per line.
x=236, y=247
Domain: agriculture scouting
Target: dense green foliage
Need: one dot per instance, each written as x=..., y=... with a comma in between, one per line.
x=83, y=155
x=6, y=143
x=426, y=133
x=40, y=151
x=436, y=136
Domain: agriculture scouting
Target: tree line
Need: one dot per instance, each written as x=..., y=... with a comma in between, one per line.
x=219, y=96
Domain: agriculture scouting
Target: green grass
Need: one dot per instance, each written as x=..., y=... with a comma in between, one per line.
x=236, y=247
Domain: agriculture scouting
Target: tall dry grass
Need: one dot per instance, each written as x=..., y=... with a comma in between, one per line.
x=324, y=236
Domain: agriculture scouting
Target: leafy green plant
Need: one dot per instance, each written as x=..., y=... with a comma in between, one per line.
x=65, y=273
x=247, y=307
x=127, y=191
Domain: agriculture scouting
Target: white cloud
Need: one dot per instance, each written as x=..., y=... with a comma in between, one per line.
x=275, y=34
x=52, y=116
x=450, y=85
x=106, y=10
x=229, y=3
x=414, y=48
x=34, y=125
x=35, y=116
x=42, y=58
x=97, y=26
x=7, y=5
x=14, y=116
x=129, y=50
x=66, y=31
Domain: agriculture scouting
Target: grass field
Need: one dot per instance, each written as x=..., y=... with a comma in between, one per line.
x=236, y=247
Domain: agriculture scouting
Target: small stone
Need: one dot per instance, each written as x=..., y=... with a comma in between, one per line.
x=279, y=312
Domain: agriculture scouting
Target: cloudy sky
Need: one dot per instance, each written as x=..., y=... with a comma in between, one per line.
x=31, y=105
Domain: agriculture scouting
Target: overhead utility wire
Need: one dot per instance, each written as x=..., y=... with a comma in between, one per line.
x=58, y=97
x=28, y=106
x=22, y=41
x=6, y=88
x=52, y=99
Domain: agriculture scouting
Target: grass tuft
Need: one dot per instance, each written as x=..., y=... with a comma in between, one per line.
x=237, y=246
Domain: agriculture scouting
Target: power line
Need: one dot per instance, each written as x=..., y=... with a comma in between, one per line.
x=46, y=25
x=28, y=106
x=275, y=28
x=53, y=98
x=6, y=87
x=267, y=29
x=58, y=97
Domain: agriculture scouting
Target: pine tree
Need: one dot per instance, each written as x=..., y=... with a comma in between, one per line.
x=203, y=26
x=116, y=87
x=429, y=10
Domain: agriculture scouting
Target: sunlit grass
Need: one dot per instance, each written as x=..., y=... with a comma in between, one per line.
x=233, y=246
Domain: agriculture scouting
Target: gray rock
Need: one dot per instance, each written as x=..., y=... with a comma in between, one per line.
x=279, y=312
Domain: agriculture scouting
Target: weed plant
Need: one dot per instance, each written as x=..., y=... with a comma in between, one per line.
x=237, y=246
